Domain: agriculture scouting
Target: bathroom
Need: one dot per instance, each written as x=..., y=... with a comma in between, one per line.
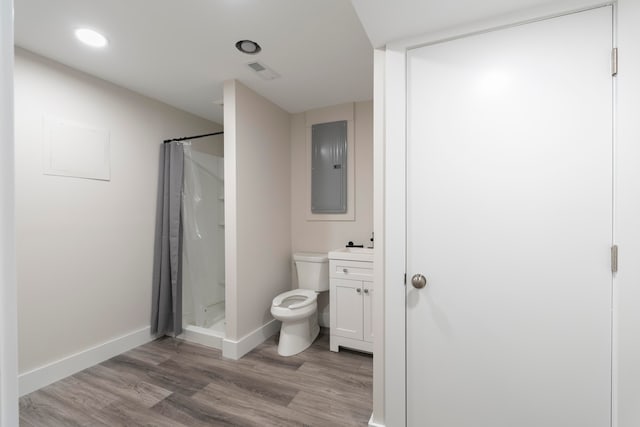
x=104, y=307
x=283, y=228
x=205, y=295
x=76, y=290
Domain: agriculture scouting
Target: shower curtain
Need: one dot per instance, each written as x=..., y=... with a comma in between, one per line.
x=203, y=238
x=166, y=308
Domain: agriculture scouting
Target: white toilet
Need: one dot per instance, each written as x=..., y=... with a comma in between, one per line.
x=297, y=309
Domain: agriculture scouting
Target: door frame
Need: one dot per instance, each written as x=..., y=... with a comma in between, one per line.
x=394, y=99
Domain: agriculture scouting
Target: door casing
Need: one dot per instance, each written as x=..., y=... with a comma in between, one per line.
x=393, y=97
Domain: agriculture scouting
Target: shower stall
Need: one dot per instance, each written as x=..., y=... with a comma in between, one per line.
x=188, y=286
x=203, y=259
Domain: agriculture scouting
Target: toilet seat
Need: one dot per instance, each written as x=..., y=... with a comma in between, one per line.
x=305, y=296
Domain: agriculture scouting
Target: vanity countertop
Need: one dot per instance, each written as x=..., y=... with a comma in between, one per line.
x=352, y=254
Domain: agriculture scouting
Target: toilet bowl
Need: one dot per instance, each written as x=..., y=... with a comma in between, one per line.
x=297, y=309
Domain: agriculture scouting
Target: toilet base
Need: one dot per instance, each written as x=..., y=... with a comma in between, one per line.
x=297, y=335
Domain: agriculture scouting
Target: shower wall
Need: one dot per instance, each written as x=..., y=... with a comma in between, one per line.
x=203, y=238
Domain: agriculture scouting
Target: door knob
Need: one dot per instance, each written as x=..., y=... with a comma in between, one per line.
x=418, y=281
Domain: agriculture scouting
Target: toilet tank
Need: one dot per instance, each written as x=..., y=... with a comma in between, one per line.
x=313, y=270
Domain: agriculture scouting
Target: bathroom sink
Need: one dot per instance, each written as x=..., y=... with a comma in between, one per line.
x=352, y=254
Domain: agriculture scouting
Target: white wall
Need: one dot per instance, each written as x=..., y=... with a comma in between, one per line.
x=322, y=236
x=257, y=207
x=319, y=235
x=8, y=316
x=85, y=247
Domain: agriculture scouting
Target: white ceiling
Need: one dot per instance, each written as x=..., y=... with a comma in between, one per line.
x=390, y=20
x=180, y=52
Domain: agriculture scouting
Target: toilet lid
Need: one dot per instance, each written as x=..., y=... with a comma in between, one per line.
x=296, y=298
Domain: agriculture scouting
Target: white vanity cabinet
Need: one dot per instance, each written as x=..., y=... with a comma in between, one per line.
x=351, y=296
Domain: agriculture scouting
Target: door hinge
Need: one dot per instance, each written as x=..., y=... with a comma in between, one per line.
x=614, y=258
x=614, y=61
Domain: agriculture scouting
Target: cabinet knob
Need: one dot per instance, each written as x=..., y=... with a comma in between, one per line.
x=366, y=291
x=358, y=290
x=345, y=271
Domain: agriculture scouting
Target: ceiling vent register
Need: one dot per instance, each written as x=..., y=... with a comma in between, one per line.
x=263, y=71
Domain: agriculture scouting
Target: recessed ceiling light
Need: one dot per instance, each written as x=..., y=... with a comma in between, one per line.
x=91, y=37
x=248, y=46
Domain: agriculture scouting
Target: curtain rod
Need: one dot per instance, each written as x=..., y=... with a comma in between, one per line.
x=186, y=138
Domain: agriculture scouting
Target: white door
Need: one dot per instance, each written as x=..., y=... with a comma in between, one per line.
x=509, y=218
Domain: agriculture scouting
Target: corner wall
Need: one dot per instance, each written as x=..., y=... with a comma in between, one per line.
x=85, y=247
x=257, y=214
x=8, y=315
x=323, y=236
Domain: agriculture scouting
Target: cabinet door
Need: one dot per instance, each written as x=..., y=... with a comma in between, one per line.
x=367, y=311
x=346, y=306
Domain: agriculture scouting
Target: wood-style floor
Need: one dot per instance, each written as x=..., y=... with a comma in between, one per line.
x=169, y=382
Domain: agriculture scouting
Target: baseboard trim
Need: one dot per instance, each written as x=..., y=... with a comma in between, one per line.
x=373, y=424
x=37, y=378
x=236, y=349
x=335, y=342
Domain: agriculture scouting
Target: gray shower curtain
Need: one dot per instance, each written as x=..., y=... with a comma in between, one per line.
x=166, y=308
